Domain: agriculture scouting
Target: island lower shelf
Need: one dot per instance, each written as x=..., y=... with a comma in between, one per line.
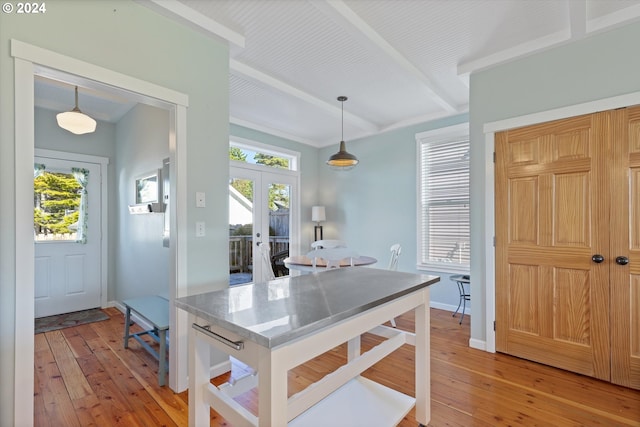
x=360, y=402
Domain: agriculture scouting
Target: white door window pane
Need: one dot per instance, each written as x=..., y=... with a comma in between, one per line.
x=57, y=202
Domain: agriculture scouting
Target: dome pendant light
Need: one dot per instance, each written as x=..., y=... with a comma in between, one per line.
x=75, y=121
x=342, y=160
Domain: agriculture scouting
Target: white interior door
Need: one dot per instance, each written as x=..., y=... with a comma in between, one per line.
x=261, y=212
x=68, y=271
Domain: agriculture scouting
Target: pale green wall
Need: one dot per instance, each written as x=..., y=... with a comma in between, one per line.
x=374, y=205
x=594, y=68
x=125, y=37
x=142, y=262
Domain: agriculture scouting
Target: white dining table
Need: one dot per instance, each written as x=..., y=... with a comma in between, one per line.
x=277, y=325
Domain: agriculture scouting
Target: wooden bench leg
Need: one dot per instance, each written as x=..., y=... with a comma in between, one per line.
x=127, y=322
x=162, y=357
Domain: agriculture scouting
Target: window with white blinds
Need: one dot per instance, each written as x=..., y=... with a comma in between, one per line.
x=443, y=192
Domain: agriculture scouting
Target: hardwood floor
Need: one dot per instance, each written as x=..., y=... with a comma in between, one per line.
x=84, y=377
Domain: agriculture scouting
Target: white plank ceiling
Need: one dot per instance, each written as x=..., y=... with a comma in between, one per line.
x=400, y=62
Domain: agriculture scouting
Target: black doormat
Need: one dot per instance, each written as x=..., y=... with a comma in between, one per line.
x=66, y=320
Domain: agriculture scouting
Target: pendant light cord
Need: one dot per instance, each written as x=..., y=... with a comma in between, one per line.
x=342, y=135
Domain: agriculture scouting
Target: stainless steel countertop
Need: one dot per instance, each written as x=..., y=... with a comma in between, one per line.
x=275, y=312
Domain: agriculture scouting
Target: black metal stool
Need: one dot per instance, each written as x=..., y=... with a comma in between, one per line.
x=465, y=296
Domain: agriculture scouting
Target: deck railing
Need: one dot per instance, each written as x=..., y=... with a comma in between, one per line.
x=241, y=251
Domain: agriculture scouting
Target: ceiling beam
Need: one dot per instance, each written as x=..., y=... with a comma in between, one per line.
x=351, y=22
x=579, y=26
x=613, y=19
x=239, y=68
x=174, y=9
x=578, y=18
x=271, y=131
x=521, y=50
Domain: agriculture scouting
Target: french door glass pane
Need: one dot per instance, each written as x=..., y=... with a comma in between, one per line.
x=260, y=224
x=279, y=226
x=241, y=202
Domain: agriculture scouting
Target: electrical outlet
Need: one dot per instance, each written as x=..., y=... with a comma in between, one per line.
x=200, y=229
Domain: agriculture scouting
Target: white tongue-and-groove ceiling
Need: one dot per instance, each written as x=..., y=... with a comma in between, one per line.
x=399, y=62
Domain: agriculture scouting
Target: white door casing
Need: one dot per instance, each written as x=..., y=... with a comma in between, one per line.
x=29, y=61
x=68, y=273
x=490, y=129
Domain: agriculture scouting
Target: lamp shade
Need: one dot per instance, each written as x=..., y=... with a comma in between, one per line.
x=75, y=121
x=342, y=160
x=318, y=214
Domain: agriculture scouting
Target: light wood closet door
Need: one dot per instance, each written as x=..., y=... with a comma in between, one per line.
x=625, y=242
x=552, y=217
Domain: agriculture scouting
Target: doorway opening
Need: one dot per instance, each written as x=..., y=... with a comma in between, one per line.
x=263, y=211
x=31, y=61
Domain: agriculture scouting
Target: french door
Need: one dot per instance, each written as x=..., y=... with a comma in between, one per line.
x=262, y=211
x=568, y=244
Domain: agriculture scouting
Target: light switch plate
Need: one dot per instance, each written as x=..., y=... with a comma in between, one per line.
x=200, y=200
x=200, y=229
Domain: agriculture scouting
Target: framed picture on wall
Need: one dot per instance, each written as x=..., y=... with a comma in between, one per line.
x=148, y=188
x=148, y=193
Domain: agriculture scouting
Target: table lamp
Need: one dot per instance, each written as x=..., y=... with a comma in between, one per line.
x=317, y=216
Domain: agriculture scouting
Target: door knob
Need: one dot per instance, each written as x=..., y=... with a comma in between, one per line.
x=597, y=258
x=622, y=260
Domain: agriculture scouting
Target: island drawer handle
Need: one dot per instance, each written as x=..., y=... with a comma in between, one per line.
x=238, y=345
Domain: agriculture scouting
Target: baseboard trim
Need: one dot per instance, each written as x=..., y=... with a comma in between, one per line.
x=448, y=307
x=478, y=344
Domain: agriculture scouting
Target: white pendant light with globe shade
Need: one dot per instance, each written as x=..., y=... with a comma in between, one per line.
x=75, y=121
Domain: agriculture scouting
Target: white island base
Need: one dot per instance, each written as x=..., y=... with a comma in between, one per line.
x=341, y=398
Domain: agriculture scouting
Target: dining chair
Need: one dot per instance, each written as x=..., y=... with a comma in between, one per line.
x=328, y=244
x=277, y=263
x=267, y=268
x=332, y=256
x=396, y=250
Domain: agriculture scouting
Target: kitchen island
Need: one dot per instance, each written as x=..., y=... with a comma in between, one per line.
x=275, y=326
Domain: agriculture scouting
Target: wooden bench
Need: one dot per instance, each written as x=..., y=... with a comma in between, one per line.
x=155, y=310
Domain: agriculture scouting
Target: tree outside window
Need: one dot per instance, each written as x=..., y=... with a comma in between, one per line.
x=56, y=206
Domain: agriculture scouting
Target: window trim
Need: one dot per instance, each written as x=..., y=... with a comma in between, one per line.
x=243, y=143
x=445, y=134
